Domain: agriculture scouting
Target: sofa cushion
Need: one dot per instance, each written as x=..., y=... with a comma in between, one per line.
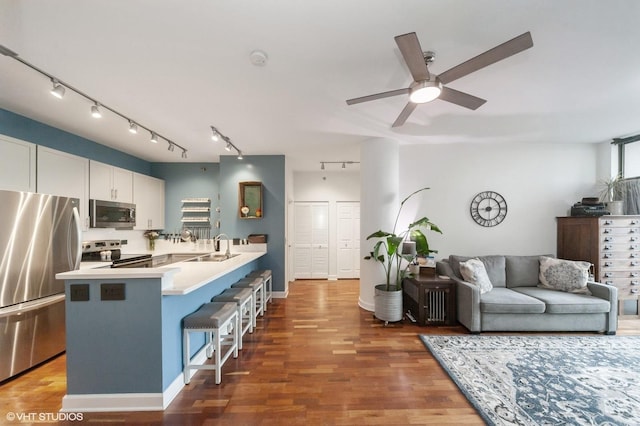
x=564, y=275
x=506, y=301
x=474, y=272
x=494, y=265
x=522, y=271
x=560, y=302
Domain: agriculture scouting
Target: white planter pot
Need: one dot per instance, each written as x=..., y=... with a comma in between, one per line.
x=615, y=207
x=387, y=304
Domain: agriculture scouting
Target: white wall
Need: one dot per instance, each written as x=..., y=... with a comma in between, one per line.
x=538, y=181
x=331, y=186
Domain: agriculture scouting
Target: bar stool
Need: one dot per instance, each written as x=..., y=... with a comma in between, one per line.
x=257, y=285
x=219, y=322
x=265, y=274
x=243, y=297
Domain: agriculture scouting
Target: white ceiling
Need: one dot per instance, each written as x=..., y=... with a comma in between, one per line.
x=178, y=67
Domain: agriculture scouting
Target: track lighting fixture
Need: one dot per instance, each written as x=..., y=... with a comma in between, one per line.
x=344, y=163
x=95, y=111
x=216, y=135
x=58, y=90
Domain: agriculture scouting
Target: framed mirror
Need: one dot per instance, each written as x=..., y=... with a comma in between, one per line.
x=250, y=200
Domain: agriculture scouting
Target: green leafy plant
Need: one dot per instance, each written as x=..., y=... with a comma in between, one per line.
x=388, y=250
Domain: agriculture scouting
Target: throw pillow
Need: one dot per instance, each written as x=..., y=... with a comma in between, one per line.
x=474, y=272
x=564, y=275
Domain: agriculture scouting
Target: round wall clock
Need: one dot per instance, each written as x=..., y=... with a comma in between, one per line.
x=488, y=208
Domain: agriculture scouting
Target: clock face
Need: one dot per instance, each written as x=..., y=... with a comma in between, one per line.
x=488, y=208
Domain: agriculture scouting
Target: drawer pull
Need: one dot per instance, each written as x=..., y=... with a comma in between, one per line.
x=607, y=255
x=634, y=222
x=608, y=222
x=607, y=247
x=608, y=282
x=633, y=239
x=634, y=282
x=633, y=247
x=632, y=231
x=634, y=263
x=609, y=239
x=634, y=290
x=607, y=264
x=608, y=274
x=634, y=274
x=607, y=231
x=633, y=255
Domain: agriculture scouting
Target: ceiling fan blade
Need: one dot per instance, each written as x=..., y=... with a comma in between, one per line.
x=460, y=98
x=498, y=53
x=378, y=96
x=413, y=56
x=406, y=112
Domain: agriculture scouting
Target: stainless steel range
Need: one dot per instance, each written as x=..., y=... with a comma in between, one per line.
x=111, y=251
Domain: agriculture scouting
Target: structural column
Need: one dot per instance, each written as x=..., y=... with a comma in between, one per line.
x=379, y=185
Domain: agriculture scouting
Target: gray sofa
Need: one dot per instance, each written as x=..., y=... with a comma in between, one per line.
x=516, y=303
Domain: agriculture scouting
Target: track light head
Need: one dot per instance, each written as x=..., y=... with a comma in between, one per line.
x=58, y=89
x=133, y=127
x=240, y=157
x=154, y=137
x=95, y=111
x=228, y=147
x=321, y=166
x=184, y=153
x=171, y=147
x=215, y=135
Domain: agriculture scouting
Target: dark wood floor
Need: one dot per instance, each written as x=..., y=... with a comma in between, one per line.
x=316, y=358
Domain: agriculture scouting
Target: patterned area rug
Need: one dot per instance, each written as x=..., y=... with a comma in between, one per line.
x=545, y=380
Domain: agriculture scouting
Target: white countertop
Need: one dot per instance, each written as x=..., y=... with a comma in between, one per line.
x=177, y=279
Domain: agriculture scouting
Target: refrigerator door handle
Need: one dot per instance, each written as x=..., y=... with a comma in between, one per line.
x=22, y=308
x=78, y=242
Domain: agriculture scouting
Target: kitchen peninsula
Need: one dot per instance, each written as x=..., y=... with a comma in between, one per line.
x=123, y=329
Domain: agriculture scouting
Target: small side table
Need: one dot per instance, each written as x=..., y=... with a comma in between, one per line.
x=432, y=300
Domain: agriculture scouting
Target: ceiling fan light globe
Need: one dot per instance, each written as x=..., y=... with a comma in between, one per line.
x=425, y=91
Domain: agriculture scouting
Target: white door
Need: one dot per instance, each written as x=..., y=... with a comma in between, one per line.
x=311, y=240
x=348, y=239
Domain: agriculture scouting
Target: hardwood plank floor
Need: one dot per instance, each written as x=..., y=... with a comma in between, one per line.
x=316, y=358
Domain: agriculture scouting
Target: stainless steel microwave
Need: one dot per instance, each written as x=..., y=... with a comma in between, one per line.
x=111, y=214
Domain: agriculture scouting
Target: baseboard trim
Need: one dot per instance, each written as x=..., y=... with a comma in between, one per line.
x=129, y=401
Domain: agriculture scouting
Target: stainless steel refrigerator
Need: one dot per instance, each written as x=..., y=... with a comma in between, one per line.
x=40, y=236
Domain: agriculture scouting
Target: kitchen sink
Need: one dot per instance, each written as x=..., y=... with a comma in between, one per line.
x=213, y=257
x=168, y=259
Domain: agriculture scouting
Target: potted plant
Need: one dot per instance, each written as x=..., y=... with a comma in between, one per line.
x=388, y=252
x=612, y=194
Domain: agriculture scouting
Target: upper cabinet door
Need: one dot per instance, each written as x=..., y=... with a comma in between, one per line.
x=17, y=165
x=148, y=196
x=67, y=175
x=110, y=183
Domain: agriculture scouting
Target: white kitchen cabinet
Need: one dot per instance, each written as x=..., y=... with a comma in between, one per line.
x=67, y=175
x=17, y=164
x=148, y=196
x=110, y=183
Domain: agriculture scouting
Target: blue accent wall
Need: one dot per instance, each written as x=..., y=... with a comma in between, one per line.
x=26, y=129
x=270, y=170
x=187, y=180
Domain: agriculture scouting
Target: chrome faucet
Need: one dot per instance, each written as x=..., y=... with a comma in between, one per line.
x=218, y=238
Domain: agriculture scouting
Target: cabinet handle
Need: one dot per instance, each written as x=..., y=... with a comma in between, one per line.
x=609, y=282
x=116, y=191
x=634, y=222
x=634, y=282
x=632, y=230
x=634, y=290
x=607, y=231
x=634, y=263
x=608, y=275
x=607, y=239
x=607, y=264
x=607, y=222
x=607, y=255
x=633, y=239
x=634, y=274
x=633, y=255
x=607, y=247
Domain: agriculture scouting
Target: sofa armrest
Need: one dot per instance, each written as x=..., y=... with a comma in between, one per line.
x=468, y=299
x=610, y=293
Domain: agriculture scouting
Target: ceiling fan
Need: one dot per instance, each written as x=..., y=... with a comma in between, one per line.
x=426, y=86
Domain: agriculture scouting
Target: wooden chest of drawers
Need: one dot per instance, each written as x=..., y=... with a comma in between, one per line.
x=610, y=243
